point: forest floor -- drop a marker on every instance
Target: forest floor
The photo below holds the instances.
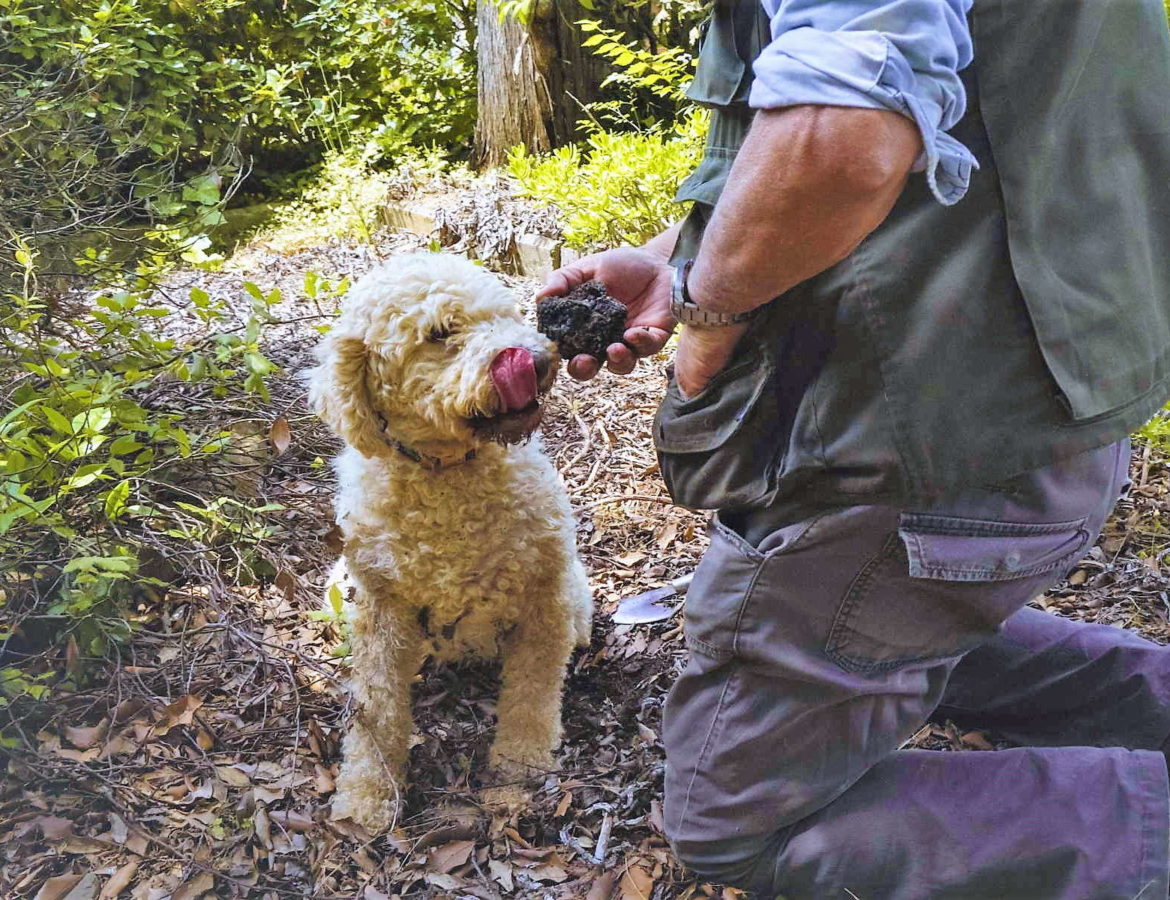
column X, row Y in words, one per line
column 203, row 763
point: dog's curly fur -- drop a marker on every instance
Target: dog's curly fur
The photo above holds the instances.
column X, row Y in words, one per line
column 460, row 556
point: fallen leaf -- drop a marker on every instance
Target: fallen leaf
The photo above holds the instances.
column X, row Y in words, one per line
column 280, row 435
column 120, row 880
column 232, row 776
column 196, row 887
column 563, row 806
column 263, row 827
column 501, row 873
column 83, row 738
column 450, row 856
column 636, row 884
column 602, row 886
column 446, row 882
column 181, row 712
column 54, row 828
column 552, row 873
column 666, row 534
column 56, row 888
column 977, row 740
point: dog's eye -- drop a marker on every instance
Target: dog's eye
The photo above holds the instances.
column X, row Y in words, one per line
column 439, row 334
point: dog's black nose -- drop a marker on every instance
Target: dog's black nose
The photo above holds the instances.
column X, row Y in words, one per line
column 543, row 363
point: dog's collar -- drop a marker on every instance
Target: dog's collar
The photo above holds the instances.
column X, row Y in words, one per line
column 431, row 463
column 428, row 462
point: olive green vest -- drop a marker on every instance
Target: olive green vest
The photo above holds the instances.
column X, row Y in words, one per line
column 957, row 345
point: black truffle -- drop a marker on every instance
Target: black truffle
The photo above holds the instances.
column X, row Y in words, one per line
column 586, row 320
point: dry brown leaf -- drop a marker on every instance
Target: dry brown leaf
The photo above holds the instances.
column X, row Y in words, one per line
column 56, row 888
column 501, row 873
column 665, row 535
column 54, row 828
column 602, row 886
column 292, row 821
column 196, row 887
column 181, row 712
column 232, row 776
column 977, row 740
column 263, row 827
column 563, row 806
column 280, row 435
column 636, row 884
column 119, row 881
column 450, row 856
column 83, row 738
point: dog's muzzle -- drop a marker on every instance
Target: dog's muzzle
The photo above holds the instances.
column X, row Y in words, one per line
column 519, row 376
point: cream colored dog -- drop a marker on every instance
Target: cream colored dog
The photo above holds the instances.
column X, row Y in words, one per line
column 458, row 535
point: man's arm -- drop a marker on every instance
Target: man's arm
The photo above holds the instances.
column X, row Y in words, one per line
column 808, row 185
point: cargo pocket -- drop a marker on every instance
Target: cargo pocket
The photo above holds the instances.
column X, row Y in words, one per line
column 720, row 449
column 715, row 600
column 942, row 585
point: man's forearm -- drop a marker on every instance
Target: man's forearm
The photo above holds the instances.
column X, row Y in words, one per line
column 809, row 183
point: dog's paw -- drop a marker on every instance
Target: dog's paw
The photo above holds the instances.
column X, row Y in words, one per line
column 505, row 799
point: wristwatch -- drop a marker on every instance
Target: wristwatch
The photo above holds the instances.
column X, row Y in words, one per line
column 688, row 312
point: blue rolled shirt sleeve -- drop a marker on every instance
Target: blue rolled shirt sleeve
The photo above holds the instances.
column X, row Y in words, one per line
column 900, row 55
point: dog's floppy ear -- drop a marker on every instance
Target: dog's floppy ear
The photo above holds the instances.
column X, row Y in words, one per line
column 338, row 394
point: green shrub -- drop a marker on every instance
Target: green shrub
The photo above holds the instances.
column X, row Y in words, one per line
column 617, row 187
column 115, row 460
column 146, row 110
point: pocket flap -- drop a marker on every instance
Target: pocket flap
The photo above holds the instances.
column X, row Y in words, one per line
column 947, row 548
column 708, row 420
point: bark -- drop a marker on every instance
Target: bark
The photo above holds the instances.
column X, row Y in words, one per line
column 534, row 80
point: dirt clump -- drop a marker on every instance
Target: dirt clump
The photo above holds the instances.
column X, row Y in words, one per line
column 586, row 320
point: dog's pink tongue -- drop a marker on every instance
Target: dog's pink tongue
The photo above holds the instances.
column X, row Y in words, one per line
column 514, row 376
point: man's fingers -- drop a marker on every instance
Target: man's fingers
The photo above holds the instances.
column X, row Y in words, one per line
column 583, row 367
column 646, row 339
column 564, row 279
column 621, row 359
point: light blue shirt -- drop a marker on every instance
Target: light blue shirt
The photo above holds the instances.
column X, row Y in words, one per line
column 901, row 55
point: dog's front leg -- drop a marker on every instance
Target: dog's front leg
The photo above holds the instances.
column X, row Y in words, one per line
column 535, row 655
column 385, row 659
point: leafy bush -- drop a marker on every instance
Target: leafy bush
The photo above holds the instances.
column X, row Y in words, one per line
column 115, row 465
column 617, row 187
column 145, row 110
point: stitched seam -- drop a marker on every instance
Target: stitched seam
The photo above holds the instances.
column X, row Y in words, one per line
column 747, row 599
column 707, row 741
column 709, row 649
column 919, row 524
column 855, row 594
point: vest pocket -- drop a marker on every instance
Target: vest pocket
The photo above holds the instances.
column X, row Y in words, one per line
column 720, row 449
column 941, row 585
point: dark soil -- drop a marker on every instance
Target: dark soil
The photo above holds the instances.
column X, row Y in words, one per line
column 586, row 320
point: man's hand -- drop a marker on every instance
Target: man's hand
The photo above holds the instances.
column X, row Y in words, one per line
column 703, row 352
column 639, row 278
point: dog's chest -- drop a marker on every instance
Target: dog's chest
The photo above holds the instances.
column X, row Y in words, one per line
column 474, row 549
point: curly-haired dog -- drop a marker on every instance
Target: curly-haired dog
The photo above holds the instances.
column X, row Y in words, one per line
column 458, row 534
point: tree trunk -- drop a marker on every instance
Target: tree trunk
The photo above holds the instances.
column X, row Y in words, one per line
column 515, row 104
column 534, row 80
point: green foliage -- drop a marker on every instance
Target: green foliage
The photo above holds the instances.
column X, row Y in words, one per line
column 617, row 187
column 104, row 458
column 665, row 73
column 136, row 110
